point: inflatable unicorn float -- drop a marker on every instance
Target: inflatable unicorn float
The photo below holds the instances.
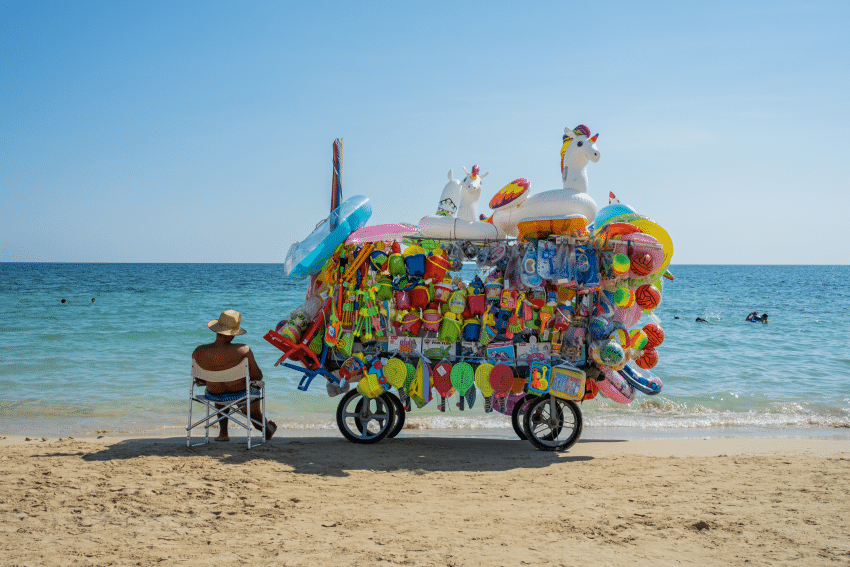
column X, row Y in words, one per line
column 515, row 211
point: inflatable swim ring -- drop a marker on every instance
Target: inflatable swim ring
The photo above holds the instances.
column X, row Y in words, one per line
column 616, row 388
column 559, row 203
column 643, row 379
column 458, row 229
column 307, row 257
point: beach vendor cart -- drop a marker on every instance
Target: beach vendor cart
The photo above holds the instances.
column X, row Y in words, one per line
column 542, row 305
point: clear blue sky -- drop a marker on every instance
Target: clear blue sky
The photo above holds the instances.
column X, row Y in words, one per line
column 202, row 131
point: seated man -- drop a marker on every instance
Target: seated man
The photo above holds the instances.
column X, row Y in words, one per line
column 223, row 354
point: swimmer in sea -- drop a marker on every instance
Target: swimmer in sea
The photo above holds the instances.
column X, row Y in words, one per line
column 764, row 319
column 753, row 317
column 701, row 320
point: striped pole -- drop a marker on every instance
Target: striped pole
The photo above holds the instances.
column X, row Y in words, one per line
column 336, row 184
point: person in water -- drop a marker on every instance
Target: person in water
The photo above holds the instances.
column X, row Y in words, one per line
column 701, row 320
column 764, row 319
column 223, row 354
column 753, row 317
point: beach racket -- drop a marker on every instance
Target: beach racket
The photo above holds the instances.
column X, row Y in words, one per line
column 443, row 382
column 411, row 374
column 396, row 373
column 482, row 380
column 462, row 378
column 502, row 380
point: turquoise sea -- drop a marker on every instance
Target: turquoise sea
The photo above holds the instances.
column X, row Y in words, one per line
column 121, row 364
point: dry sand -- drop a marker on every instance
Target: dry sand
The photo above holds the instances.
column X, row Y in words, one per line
column 421, row 500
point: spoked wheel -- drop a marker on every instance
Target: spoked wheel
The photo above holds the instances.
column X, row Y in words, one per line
column 365, row 420
column 517, row 416
column 552, row 424
column 398, row 423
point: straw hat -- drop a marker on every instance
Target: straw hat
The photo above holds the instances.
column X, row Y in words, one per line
column 227, row 323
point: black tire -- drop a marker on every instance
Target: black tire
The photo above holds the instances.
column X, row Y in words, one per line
column 517, row 416
column 398, row 424
column 363, row 425
column 552, row 431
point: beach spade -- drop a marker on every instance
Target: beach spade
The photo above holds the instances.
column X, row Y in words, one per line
column 443, row 382
column 482, row 380
column 463, row 378
column 502, row 379
column 395, row 372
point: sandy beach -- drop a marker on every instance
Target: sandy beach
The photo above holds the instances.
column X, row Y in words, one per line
column 425, row 500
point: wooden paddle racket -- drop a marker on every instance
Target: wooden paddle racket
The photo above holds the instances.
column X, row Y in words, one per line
column 482, row 380
column 502, row 380
column 462, row 378
column 443, row 382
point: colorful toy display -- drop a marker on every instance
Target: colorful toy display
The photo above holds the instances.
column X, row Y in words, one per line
column 552, row 316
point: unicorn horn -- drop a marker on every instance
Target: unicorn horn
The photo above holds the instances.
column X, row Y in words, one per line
column 593, row 139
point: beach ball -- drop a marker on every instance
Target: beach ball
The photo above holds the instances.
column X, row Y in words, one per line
column 648, row 358
column 641, row 264
column 600, row 327
column 611, row 353
column 654, row 335
column 637, row 339
column 621, row 335
column 647, row 296
column 628, row 316
column 620, row 264
column 624, row 297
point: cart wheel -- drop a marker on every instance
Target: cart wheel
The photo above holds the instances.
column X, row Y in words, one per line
column 364, row 420
column 517, row 416
column 552, row 424
column 398, row 424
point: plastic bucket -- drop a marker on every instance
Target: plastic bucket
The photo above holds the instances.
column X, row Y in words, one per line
column 436, row 267
column 442, row 292
column 415, row 265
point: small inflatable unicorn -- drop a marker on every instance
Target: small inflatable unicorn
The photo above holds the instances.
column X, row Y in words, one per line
column 461, row 197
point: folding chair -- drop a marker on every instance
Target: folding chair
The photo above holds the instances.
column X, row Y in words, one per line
column 254, row 390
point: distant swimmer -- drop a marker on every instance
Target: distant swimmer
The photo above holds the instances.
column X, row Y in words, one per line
column 764, row 319
column 753, row 317
column 92, row 299
column 701, row 320
column 64, row 301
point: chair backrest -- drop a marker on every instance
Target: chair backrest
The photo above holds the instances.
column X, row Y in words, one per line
column 235, row 373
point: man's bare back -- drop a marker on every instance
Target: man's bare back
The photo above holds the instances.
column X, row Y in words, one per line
column 221, row 355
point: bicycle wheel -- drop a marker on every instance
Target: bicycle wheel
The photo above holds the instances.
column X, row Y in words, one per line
column 364, row 420
column 398, row 424
column 552, row 424
column 517, row 416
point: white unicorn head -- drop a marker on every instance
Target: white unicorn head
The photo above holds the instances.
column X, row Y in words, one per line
column 578, row 148
column 470, row 192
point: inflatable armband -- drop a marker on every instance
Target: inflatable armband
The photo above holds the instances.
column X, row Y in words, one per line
column 529, row 275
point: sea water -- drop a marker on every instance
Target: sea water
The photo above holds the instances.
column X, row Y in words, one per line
column 121, row 363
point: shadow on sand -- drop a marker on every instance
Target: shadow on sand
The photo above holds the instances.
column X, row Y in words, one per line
column 332, row 456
